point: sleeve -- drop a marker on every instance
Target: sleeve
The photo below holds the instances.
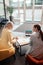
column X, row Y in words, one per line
column 29, row 49
column 10, row 38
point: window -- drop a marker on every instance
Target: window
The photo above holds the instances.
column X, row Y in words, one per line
column 1, row 9
column 13, row 3
column 28, row 15
column 1, row 1
column 28, row 3
column 37, row 15
column 38, row 2
column 21, row 3
column 27, row 10
column 15, row 13
column 21, row 15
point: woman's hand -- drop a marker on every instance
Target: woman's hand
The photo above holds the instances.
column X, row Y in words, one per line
column 14, row 41
column 15, row 38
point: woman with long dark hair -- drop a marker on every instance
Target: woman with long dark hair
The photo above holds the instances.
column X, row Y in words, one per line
column 37, row 42
column 37, row 28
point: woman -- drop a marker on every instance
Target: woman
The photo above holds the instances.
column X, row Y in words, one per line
column 6, row 38
column 37, row 42
column 6, row 42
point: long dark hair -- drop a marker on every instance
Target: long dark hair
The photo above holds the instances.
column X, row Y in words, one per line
column 40, row 31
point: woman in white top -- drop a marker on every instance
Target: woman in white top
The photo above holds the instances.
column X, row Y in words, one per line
column 36, row 42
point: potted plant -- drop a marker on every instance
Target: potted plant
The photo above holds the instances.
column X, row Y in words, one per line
column 10, row 9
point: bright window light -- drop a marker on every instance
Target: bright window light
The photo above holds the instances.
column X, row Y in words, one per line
column 28, row 1
column 21, row 0
column 1, row 0
column 15, row 0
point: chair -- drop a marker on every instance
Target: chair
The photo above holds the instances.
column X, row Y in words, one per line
column 33, row 61
column 3, row 21
column 6, row 53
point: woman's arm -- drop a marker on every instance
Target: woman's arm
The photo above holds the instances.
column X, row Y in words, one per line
column 11, row 39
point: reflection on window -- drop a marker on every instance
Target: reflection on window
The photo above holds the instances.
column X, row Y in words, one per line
column 38, row 2
column 28, row 15
column 28, row 3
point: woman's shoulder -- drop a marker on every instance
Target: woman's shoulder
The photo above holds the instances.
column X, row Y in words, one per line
column 5, row 30
column 35, row 34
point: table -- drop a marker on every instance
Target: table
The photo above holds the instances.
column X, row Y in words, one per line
column 23, row 41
